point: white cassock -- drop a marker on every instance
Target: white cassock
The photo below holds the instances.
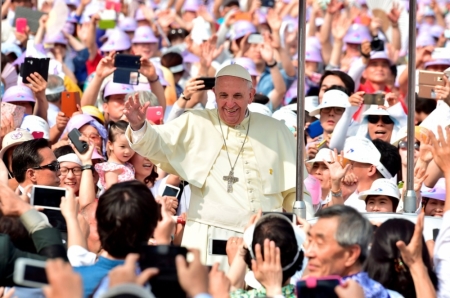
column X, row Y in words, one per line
column 192, row 147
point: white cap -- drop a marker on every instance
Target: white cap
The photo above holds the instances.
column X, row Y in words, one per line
column 381, row 187
column 364, row 151
column 234, row 70
column 259, row 108
column 332, row 98
column 37, row 126
column 323, row 154
column 71, row 157
column 288, row 117
column 376, row 110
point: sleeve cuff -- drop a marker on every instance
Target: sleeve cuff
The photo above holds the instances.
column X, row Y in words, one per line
column 137, row 135
column 34, row 220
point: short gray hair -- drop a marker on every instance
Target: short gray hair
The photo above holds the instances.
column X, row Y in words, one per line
column 353, row 228
column 144, row 96
column 54, row 82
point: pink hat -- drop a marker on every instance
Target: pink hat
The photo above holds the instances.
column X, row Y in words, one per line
column 112, row 88
column 18, row 93
column 436, row 193
column 128, row 24
column 437, row 62
column 188, row 57
column 248, row 64
column 425, row 39
column 117, row 41
column 241, row 28
column 96, row 155
column 313, row 54
column 139, row 16
column 144, row 34
column 381, row 55
column 191, row 5
column 357, row 33
column 55, row 38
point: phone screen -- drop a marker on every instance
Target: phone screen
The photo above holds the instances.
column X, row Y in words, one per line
column 315, row 129
column 48, row 197
column 155, row 114
column 209, row 83
column 35, row 274
column 170, row 191
column 219, row 247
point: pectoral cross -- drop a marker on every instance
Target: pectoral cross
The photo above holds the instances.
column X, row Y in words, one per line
column 231, row 179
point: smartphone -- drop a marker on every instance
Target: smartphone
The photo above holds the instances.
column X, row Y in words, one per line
column 431, row 78
column 315, row 129
column 209, row 82
column 69, row 102
column 127, row 69
column 127, row 61
column 255, row 39
column 31, row 65
column 165, row 284
column 217, row 247
column 427, row 91
column 268, row 3
column 48, row 197
column 155, row 114
column 171, row 191
column 21, row 25
column 374, row 99
column 291, row 216
column 30, row 273
column 74, row 137
column 318, row 287
column 377, row 45
column 243, row 16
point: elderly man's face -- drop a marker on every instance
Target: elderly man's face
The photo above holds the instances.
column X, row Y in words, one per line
column 233, row 95
column 326, row 256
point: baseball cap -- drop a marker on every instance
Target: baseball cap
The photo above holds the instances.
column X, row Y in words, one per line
column 259, row 108
column 425, row 39
column 437, row 62
column 380, row 55
column 323, row 154
column 94, row 112
column 362, row 150
column 112, row 88
column 420, row 133
column 14, row 138
column 117, row 41
column 37, row 126
column 331, row 98
column 144, row 34
column 234, row 70
column 18, row 93
column 357, row 33
column 312, row 54
column 376, row 110
column 382, row 186
column 241, row 28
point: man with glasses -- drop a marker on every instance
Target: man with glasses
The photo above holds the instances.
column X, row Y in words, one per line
column 370, row 160
column 33, row 162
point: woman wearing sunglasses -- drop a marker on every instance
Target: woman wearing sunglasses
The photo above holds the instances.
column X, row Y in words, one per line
column 377, row 123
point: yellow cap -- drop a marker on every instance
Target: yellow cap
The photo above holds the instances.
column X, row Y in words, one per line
column 94, row 112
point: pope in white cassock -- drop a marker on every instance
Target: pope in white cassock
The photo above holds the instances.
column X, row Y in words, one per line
column 235, row 161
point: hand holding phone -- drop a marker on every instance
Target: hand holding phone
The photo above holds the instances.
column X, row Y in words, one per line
column 315, row 129
column 374, row 99
column 209, row 82
column 127, row 69
column 47, row 197
column 69, row 102
column 30, row 273
column 74, row 137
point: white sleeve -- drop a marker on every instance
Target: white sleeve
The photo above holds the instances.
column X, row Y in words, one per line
column 80, row 256
column 136, row 135
column 442, row 257
column 355, row 72
column 175, row 112
column 340, row 131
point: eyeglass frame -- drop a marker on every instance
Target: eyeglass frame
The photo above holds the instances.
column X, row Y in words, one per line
column 70, row 170
column 403, row 145
column 54, row 164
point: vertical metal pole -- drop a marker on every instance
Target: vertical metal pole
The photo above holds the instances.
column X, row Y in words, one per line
column 410, row 198
column 299, row 205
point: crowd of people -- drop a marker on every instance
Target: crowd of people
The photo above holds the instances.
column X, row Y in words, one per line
column 210, row 115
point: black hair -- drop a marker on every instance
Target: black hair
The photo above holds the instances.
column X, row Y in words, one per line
column 172, row 59
column 261, row 98
column 393, row 69
column 116, row 128
column 383, row 262
column 393, row 200
column 152, row 177
column 25, row 156
column 345, row 78
column 281, row 232
column 425, row 105
column 390, row 158
column 127, row 215
column 340, row 88
column 176, row 33
column 63, row 150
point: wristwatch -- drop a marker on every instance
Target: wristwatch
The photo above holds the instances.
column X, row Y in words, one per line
column 87, row 167
column 184, row 97
column 336, row 194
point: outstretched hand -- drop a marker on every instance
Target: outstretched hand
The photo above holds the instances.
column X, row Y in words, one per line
column 135, row 112
column 412, row 253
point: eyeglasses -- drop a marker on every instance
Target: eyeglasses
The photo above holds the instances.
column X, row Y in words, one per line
column 76, row 171
column 93, row 136
column 403, row 145
column 54, row 166
column 337, row 111
column 375, row 118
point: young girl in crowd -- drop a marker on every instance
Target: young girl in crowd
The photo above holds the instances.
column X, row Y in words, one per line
column 117, row 168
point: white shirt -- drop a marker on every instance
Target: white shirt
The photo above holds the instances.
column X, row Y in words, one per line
column 442, row 257
column 52, row 112
column 355, row 202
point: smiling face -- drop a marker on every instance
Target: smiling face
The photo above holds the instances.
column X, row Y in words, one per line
column 379, row 204
column 68, row 178
column 377, row 71
column 233, row 95
column 254, row 53
column 142, row 165
column 435, row 208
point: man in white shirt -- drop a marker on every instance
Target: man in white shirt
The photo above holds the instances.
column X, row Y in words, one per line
column 370, row 160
